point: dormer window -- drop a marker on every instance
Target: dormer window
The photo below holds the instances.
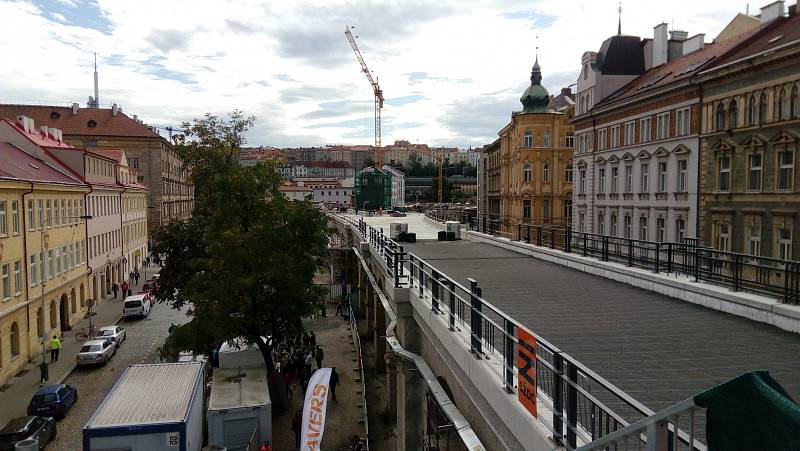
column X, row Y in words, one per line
column 91, row 123
column 55, row 115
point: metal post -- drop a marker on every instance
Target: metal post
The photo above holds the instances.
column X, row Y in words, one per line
column 737, row 272
column 452, row 286
column 630, row 252
column 509, row 355
column 519, row 232
column 585, row 239
column 528, row 238
column 572, row 404
column 669, row 257
column 568, row 240
column 475, row 321
column 538, row 235
column 558, row 396
column 435, row 291
column 658, row 257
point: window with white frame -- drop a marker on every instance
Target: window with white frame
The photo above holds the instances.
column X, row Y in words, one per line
column 644, row 129
column 754, row 166
column 754, row 238
column 643, row 228
column 568, row 208
column 644, row 178
column 546, row 208
column 783, row 237
column 614, row 179
column 528, row 139
column 682, row 175
column 18, row 277
column 661, row 232
column 662, row 176
column 615, row 136
column 628, row 178
column 3, row 218
column 582, row 181
column 546, row 173
column 547, row 137
column 614, row 224
column 630, row 133
column 569, row 140
column 527, row 173
column 628, row 225
column 602, row 139
column 14, row 216
column 601, row 180
column 568, row 173
column 785, row 179
column 723, row 237
column 662, row 126
column 684, row 121
column 6, row 282
column 33, row 270
column 601, row 222
column 51, row 267
column 526, row 208
column 724, row 173
column 40, row 212
column 581, row 222
column 680, row 229
column 58, row 260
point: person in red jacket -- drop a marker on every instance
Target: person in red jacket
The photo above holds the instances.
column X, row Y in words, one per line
column 266, row 447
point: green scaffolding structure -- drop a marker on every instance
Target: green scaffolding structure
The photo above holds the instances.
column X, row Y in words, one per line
column 373, row 189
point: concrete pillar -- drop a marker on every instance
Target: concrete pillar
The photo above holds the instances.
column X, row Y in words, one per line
column 392, row 368
column 380, row 337
column 410, row 408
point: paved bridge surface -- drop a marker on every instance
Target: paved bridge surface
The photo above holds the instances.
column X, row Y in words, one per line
column 657, row 349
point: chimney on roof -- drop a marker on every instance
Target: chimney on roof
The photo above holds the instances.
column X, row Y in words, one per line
column 26, row 123
column 44, row 131
column 694, row 43
column 660, row 44
column 771, row 12
column 75, row 108
column 136, row 118
column 114, row 109
column 678, row 35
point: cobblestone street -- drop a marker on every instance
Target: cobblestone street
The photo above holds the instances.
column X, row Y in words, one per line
column 93, row 383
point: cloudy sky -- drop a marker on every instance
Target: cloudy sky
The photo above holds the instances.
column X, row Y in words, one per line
column 452, row 71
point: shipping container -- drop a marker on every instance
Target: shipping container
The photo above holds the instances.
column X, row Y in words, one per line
column 151, row 408
column 239, row 408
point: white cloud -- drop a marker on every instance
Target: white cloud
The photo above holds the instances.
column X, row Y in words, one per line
column 168, row 62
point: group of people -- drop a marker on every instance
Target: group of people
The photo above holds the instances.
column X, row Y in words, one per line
column 127, row 290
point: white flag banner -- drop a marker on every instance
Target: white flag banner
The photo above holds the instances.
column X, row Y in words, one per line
column 314, row 408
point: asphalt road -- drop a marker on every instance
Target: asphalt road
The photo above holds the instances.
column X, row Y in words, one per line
column 93, row 383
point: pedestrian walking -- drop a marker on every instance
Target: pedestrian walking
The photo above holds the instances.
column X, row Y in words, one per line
column 319, row 355
column 55, row 347
column 333, row 383
column 309, row 359
column 296, row 424
column 130, row 276
column 115, row 289
column 136, row 276
column 312, row 340
column 339, row 306
column 124, row 289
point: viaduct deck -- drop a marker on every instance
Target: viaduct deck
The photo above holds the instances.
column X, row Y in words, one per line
column 658, row 349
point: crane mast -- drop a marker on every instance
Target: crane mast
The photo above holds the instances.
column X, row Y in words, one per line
column 376, row 89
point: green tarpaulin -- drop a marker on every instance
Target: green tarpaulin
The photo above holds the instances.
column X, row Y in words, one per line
column 750, row 413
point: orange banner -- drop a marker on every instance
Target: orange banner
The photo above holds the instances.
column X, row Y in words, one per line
column 526, row 364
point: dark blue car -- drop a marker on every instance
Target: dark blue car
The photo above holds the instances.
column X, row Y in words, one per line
column 53, row 400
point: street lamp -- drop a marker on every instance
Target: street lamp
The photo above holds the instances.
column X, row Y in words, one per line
column 42, row 243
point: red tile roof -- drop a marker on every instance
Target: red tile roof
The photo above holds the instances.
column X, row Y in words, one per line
column 37, row 136
column 780, row 32
column 16, row 164
column 105, row 123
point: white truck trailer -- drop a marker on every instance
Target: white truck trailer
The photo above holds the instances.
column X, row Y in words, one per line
column 151, row 408
column 239, row 408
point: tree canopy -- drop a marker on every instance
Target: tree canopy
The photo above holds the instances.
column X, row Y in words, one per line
column 244, row 263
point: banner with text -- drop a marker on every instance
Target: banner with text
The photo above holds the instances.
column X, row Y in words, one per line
column 314, row 408
column 526, row 364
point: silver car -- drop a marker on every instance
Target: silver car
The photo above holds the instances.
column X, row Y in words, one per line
column 115, row 333
column 96, row 351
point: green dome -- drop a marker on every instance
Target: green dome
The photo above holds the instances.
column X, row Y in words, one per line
column 536, row 98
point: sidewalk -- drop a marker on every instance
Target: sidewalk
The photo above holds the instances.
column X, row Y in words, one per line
column 19, row 390
column 343, row 416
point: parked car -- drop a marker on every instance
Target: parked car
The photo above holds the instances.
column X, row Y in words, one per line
column 115, row 333
column 43, row 429
column 96, row 351
column 53, row 400
column 150, row 285
column 136, row 306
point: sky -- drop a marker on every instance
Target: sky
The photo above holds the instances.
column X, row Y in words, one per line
column 452, row 72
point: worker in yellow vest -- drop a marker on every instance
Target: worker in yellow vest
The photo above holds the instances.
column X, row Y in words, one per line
column 55, row 346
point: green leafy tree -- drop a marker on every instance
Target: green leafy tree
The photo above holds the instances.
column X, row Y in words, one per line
column 243, row 265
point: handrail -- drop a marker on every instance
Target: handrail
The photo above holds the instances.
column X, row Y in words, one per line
column 357, row 343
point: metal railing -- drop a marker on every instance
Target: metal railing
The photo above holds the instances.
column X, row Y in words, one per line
column 584, row 405
column 360, row 361
column 739, row 272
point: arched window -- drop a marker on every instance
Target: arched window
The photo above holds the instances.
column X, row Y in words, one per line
column 762, row 109
column 783, row 105
column 751, row 111
column 39, row 322
column 720, row 122
column 53, row 315
column 14, row 339
column 733, row 113
column 527, row 173
column 794, row 108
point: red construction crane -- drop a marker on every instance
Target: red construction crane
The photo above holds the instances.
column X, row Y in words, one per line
column 376, row 88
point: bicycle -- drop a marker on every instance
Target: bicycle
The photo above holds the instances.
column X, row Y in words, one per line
column 85, row 332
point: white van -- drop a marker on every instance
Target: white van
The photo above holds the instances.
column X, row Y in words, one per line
column 137, row 305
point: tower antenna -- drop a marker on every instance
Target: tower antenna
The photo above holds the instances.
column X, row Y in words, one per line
column 619, row 20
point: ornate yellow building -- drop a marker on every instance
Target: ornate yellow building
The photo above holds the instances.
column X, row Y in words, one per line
column 536, row 159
